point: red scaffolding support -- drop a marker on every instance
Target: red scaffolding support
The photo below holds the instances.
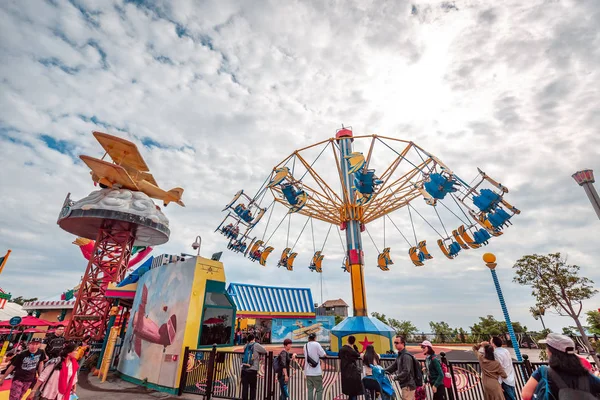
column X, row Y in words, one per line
column 108, row 263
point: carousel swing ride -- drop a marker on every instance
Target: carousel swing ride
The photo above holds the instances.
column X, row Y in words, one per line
column 393, row 175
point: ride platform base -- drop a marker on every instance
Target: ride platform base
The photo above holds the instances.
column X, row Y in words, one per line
column 367, row 331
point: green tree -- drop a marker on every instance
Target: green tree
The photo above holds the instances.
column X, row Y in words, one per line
column 487, row 326
column 20, row 300
column 462, row 335
column 339, row 319
column 556, row 285
column 380, row 317
column 442, row 331
column 403, row 328
column 593, row 321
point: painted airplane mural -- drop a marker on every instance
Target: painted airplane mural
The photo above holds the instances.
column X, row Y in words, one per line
column 146, row 329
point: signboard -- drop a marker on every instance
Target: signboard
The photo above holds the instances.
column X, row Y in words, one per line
column 14, row 321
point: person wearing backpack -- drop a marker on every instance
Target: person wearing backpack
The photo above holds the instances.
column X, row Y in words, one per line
column 433, row 371
column 281, row 366
column 564, row 378
column 250, row 365
column 312, row 367
column 407, row 370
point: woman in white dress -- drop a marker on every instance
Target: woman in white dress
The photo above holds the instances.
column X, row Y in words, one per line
column 59, row 378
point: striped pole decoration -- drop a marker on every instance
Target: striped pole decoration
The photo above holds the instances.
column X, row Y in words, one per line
column 511, row 331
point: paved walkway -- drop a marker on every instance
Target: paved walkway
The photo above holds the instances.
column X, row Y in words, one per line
column 91, row 388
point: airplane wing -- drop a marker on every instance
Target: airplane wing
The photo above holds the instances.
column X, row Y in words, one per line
column 139, row 175
column 122, row 151
column 111, row 172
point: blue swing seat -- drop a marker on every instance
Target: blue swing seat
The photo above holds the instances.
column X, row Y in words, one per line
column 481, row 236
column 487, row 200
column 438, row 186
column 365, row 182
column 498, row 218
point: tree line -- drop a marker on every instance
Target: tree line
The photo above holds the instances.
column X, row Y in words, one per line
column 556, row 287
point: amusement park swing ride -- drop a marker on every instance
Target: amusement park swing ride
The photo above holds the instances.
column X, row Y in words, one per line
column 390, row 175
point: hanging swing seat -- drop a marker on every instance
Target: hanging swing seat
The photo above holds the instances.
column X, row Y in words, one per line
column 451, row 251
column 235, row 198
column 284, row 257
column 384, row 260
column 365, row 182
column 280, row 175
column 486, row 200
column 346, row 265
column 317, row 260
column 295, row 197
column 494, row 183
column 481, row 237
column 290, row 261
column 356, row 161
column 467, row 238
column 422, row 246
column 459, row 240
column 263, row 256
column 438, row 185
column 416, row 256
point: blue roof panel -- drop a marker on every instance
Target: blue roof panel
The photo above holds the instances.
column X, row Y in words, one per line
column 253, row 298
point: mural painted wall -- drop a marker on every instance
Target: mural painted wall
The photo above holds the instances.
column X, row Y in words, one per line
column 299, row 329
column 156, row 329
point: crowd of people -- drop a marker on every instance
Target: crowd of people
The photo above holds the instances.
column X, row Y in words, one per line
column 49, row 367
column 566, row 373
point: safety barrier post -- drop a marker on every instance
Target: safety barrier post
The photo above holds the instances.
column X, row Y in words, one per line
column 451, row 390
column 269, row 381
column 528, row 366
column 211, row 372
column 183, row 378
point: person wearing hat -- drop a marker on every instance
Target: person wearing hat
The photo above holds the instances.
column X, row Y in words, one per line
column 26, row 365
column 312, row 367
column 564, row 371
column 434, row 373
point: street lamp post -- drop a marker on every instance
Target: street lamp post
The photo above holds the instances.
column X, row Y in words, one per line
column 490, row 262
column 585, row 179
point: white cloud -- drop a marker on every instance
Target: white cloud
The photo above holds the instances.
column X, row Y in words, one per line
column 229, row 90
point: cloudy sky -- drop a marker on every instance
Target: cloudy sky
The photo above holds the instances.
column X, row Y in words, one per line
column 217, row 93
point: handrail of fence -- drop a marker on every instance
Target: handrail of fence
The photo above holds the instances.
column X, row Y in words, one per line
column 213, row 373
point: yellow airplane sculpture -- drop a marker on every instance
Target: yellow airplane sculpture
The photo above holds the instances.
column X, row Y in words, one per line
column 127, row 171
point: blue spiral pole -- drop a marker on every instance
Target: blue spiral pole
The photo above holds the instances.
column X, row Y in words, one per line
column 511, row 331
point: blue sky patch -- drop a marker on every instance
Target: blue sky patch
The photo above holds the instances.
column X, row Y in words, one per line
column 62, row 146
column 55, row 62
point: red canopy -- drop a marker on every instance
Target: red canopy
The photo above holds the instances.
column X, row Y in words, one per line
column 33, row 330
column 28, row 321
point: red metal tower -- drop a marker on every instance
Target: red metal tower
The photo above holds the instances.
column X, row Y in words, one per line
column 116, row 230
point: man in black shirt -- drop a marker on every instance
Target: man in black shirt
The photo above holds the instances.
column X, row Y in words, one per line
column 55, row 342
column 25, row 364
column 283, row 375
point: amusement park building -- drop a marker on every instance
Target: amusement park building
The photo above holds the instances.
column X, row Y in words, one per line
column 337, row 308
column 52, row 309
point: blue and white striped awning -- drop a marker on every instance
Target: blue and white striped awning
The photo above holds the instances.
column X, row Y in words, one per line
column 256, row 301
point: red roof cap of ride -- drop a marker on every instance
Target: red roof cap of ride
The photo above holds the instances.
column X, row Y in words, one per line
column 344, row 132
